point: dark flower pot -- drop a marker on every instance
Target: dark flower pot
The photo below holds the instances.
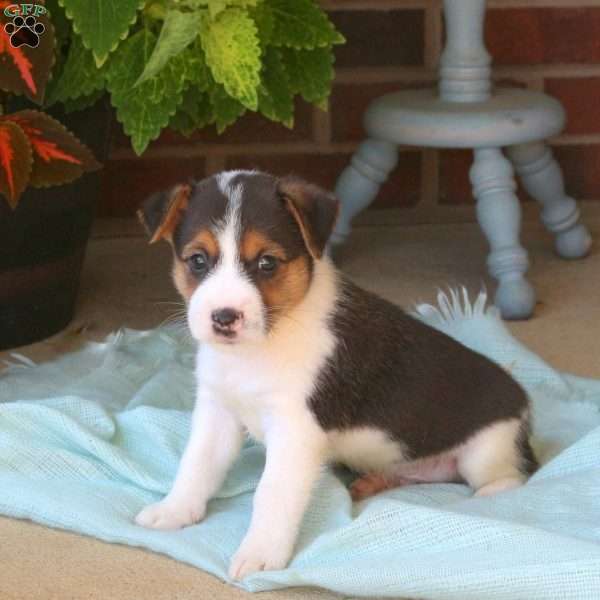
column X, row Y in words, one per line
column 43, row 242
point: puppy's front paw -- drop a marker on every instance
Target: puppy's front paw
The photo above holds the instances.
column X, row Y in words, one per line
column 170, row 514
column 259, row 553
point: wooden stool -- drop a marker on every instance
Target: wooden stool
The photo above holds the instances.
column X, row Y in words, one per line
column 465, row 113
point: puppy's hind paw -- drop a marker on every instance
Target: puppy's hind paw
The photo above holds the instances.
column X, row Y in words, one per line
column 169, row 514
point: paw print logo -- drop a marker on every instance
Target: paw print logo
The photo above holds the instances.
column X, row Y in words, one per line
column 24, row 31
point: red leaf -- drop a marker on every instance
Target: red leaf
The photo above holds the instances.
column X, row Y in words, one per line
column 20, row 61
column 48, row 150
column 58, row 156
column 15, row 161
column 25, row 70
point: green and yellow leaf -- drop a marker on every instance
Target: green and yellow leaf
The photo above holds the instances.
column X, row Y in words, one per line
column 232, row 50
column 179, row 30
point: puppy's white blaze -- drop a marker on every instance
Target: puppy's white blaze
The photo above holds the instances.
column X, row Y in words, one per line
column 227, row 286
column 224, row 178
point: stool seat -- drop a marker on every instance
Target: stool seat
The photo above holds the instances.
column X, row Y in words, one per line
column 421, row 118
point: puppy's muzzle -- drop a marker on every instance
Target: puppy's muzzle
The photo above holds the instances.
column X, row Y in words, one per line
column 226, row 321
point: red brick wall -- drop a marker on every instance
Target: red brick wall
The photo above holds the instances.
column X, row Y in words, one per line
column 551, row 45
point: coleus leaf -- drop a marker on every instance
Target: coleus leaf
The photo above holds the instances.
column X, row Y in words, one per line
column 232, row 50
column 25, row 70
column 102, row 24
column 301, row 24
column 196, row 72
column 79, row 76
column 216, row 6
column 275, row 96
column 62, row 25
column 178, row 31
column 82, row 102
column 58, row 156
column 15, row 161
column 225, row 108
column 310, row 73
column 265, row 22
column 195, row 112
column 146, row 108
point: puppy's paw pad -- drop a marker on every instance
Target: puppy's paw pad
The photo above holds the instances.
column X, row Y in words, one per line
column 169, row 515
column 251, row 558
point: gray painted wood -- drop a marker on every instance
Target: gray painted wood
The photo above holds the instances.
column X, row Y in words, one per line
column 466, row 113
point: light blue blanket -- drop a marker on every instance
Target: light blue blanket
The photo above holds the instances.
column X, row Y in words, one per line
column 89, row 439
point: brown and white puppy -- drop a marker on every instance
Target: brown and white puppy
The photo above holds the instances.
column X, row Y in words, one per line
column 316, row 368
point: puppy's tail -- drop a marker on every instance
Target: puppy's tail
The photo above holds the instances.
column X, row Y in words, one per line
column 529, row 463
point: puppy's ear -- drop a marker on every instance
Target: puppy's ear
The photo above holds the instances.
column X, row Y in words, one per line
column 161, row 212
column 314, row 209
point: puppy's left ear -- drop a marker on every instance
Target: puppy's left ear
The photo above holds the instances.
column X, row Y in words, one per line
column 314, row 209
column 161, row 212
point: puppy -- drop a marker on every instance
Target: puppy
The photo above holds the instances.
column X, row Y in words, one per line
column 314, row 367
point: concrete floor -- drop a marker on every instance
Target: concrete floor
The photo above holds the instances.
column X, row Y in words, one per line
column 126, row 283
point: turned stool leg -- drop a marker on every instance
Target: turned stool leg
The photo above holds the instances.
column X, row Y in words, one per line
column 542, row 178
column 359, row 183
column 499, row 215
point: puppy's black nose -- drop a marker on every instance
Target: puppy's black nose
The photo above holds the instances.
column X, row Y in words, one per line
column 225, row 316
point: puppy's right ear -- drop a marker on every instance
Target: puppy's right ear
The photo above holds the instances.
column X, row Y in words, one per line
column 162, row 211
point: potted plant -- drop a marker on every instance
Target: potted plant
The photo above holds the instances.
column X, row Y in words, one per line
column 42, row 231
column 186, row 64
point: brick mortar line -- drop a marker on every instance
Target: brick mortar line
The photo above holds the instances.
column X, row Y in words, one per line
column 572, row 139
column 204, row 150
column 562, row 70
column 214, row 163
column 374, row 5
column 386, row 5
column 216, row 155
column 543, row 3
column 360, row 75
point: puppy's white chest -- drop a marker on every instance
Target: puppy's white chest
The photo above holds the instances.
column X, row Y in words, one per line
column 250, row 389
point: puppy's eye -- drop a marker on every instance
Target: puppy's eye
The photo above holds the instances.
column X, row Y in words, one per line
column 198, row 263
column 267, row 263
